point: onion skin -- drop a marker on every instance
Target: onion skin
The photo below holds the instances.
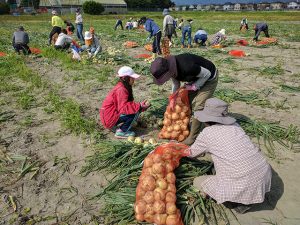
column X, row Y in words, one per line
column 140, row 207
column 167, row 122
column 171, row 197
column 160, row 219
column 148, row 162
column 150, row 209
column 159, row 207
column 175, row 116
column 148, row 183
column 162, row 183
column 172, row 220
column 158, row 168
column 171, row 208
column 170, row 129
column 148, row 217
column 157, row 158
column 178, row 109
column 149, row 197
column 159, row 194
column 169, row 167
column 176, row 127
column 181, row 137
column 182, row 115
column 171, row 188
column 186, row 121
column 171, row 178
column 185, row 133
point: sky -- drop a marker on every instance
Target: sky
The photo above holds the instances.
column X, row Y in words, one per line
column 187, row 2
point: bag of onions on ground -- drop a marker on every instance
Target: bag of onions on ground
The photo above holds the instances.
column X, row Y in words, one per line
column 177, row 117
column 156, row 191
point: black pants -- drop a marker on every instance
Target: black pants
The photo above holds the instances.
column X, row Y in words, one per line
column 156, row 43
column 55, row 30
column 22, row 47
column 119, row 23
column 62, row 47
column 127, row 121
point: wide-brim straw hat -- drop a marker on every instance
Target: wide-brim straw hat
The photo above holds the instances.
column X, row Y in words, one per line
column 215, row 110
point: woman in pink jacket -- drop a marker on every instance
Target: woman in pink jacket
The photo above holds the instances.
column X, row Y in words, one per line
column 119, row 107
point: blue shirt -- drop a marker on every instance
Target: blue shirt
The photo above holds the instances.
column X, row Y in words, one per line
column 151, row 27
column 200, row 32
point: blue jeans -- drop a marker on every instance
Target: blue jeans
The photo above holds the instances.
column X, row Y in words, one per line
column 127, row 121
column 186, row 31
column 202, row 38
column 79, row 29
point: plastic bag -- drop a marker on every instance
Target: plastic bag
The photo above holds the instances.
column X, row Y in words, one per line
column 156, row 190
column 237, row 53
column 177, row 117
column 35, row 50
column 165, row 47
column 130, row 44
column 242, row 42
column 75, row 51
column 148, row 47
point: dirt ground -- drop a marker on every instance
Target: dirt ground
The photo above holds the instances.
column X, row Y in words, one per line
column 58, row 194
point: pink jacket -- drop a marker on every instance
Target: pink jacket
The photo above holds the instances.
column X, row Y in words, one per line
column 115, row 104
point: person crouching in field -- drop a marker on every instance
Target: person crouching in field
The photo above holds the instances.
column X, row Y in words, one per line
column 63, row 41
column 201, row 36
column 20, row 41
column 92, row 43
column 243, row 175
column 244, row 24
column 57, row 24
column 218, row 37
column 259, row 27
column 155, row 32
column 119, row 107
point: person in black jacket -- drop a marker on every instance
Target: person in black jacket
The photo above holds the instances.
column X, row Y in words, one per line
column 259, row 27
column 200, row 75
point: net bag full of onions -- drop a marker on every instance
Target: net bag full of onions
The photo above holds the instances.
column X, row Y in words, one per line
column 156, row 190
column 177, row 117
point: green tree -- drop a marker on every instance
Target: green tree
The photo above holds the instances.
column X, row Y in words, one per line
column 30, row 3
column 4, row 8
column 93, row 8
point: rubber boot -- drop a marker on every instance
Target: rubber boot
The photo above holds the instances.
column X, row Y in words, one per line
column 196, row 127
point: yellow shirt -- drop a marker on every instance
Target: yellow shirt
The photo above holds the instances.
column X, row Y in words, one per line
column 57, row 21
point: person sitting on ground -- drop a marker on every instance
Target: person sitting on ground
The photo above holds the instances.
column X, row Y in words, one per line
column 135, row 24
column 259, row 27
column 119, row 107
column 201, row 36
column 119, row 23
column 218, row 37
column 186, row 29
column 20, row 41
column 70, row 27
column 129, row 25
column 57, row 24
column 155, row 32
column 63, row 41
column 244, row 24
column 92, row 44
column 168, row 25
column 243, row 175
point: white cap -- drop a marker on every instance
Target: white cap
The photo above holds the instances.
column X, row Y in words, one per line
column 54, row 12
column 127, row 71
column 222, row 31
column 87, row 35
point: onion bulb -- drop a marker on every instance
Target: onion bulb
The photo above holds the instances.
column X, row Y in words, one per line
column 185, row 133
column 148, row 217
column 172, row 219
column 181, row 137
column 157, row 158
column 167, row 156
column 174, row 135
column 186, row 120
column 169, row 167
column 176, row 127
column 167, row 122
column 149, row 197
column 171, row 208
column 140, row 192
column 167, row 135
column 171, row 178
column 160, row 219
column 183, row 127
column 140, row 207
column 175, row 116
column 162, row 184
column 148, row 183
column 170, row 129
column 185, row 109
column 159, row 194
column 182, row 115
column 178, row 109
column 148, row 162
column 150, row 209
column 139, row 217
column 171, row 197
column 171, row 188
column 158, row 206
column 158, row 168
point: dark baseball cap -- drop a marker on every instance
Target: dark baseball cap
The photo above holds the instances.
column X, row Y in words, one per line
column 163, row 69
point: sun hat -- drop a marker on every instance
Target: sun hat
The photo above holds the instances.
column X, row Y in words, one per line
column 215, row 110
column 163, row 69
column 125, row 71
column 54, row 12
column 87, row 35
column 222, row 31
column 165, row 12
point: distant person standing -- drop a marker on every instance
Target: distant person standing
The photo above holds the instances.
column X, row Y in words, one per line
column 20, row 41
column 259, row 27
column 168, row 25
column 57, row 24
column 119, row 23
column 244, row 24
column 201, row 36
column 79, row 25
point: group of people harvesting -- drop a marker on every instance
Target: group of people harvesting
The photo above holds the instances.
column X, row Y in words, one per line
column 243, row 175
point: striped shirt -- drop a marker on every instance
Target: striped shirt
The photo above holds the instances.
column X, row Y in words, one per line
column 242, row 173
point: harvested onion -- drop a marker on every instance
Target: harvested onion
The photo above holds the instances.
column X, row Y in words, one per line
column 176, row 127
column 148, row 162
column 139, row 217
column 158, row 168
column 148, row 183
column 172, row 219
column 171, row 208
column 159, row 194
column 160, row 219
column 140, row 207
column 159, row 207
column 175, row 116
column 171, row 197
column 149, row 197
column 162, row 184
column 171, row 178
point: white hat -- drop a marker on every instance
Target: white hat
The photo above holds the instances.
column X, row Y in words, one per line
column 127, row 71
column 222, row 31
column 54, row 12
column 87, row 35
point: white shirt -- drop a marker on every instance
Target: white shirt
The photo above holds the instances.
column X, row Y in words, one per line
column 78, row 18
column 63, row 39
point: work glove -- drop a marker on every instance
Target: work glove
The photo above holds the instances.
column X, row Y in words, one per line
column 191, row 87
